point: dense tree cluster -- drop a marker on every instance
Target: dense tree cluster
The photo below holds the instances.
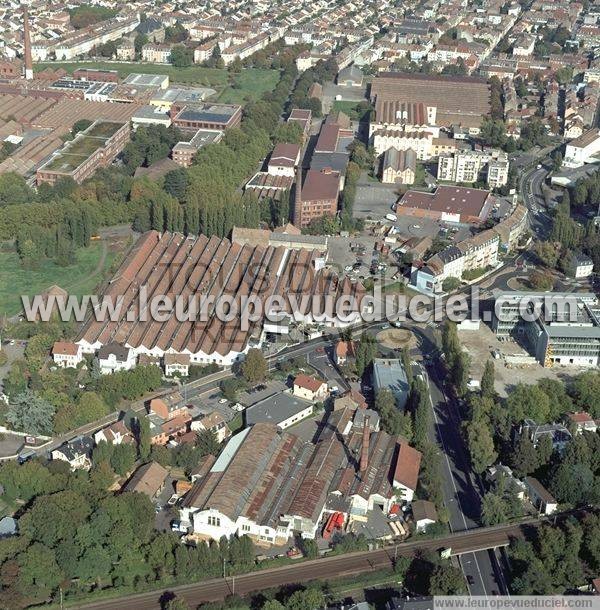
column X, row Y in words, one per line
column 75, row 534
column 559, row 558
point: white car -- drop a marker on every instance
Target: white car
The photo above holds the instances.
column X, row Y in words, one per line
column 172, row 500
column 222, row 401
column 416, row 226
column 348, row 268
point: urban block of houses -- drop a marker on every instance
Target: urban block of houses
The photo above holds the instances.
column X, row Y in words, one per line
column 473, row 166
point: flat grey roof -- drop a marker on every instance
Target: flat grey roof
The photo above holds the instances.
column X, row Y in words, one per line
column 388, row 373
column 275, row 409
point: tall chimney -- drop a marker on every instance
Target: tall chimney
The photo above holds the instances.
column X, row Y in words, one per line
column 364, row 453
column 297, row 198
column 27, row 45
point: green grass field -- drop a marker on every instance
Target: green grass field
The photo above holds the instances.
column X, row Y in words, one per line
column 80, row 278
column 249, row 85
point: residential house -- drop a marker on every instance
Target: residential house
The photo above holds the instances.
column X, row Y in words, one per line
column 76, row 453
column 540, row 497
column 168, row 406
column 66, row 354
column 115, row 434
column 115, row 357
column 424, row 514
column 309, row 388
column 582, row 421
column 148, row 479
column 582, row 266
column 215, row 423
column 559, row 435
column 177, row 365
column 344, row 352
column 406, row 473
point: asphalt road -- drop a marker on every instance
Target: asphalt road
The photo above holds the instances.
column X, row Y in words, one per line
column 461, row 490
column 329, row 567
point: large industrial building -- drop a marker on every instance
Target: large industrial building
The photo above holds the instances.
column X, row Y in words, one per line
column 443, row 96
column 447, row 203
column 203, row 268
column 566, row 331
column 95, row 147
column 270, row 484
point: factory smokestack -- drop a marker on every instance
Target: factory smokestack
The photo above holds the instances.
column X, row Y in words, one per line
column 364, row 452
column 27, row 45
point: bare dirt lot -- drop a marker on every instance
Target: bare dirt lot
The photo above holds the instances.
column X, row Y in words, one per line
column 480, row 344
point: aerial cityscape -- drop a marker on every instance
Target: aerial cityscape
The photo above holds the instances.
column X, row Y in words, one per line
column 300, row 304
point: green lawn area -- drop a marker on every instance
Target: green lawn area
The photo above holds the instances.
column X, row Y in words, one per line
column 249, row 85
column 80, row 278
column 347, row 107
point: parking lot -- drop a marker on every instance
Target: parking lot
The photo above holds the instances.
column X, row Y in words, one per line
column 374, row 200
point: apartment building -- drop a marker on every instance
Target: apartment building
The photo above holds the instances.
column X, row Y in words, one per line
column 566, row 331
column 318, row 196
column 474, row 166
column 83, row 41
column 156, row 53
column 582, row 150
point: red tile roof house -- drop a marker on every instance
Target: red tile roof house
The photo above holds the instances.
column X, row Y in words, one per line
column 406, row 474
column 583, row 422
column 344, row 350
column 318, row 197
column 67, row 354
column 309, row 388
